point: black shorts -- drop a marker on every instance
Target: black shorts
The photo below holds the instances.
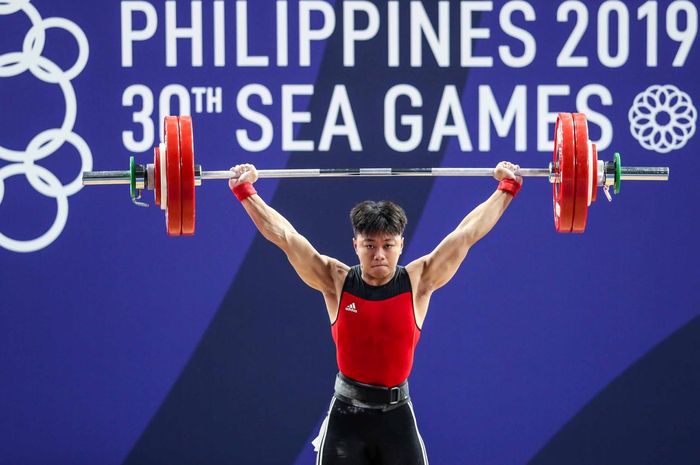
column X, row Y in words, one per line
column 360, row 436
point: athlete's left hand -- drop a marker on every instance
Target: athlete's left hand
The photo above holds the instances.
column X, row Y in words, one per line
column 506, row 169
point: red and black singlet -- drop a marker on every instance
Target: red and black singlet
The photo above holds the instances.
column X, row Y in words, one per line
column 375, row 332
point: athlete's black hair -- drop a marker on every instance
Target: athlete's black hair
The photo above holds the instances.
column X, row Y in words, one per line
column 371, row 217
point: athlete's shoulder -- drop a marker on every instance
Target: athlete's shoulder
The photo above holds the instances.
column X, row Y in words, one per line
column 340, row 270
column 339, row 273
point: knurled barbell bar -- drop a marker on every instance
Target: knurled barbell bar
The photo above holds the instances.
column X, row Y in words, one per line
column 575, row 174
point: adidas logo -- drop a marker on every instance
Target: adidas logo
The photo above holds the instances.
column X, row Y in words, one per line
column 351, row 308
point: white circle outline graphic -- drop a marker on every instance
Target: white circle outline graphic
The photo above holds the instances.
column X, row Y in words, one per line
column 46, row 142
column 59, row 223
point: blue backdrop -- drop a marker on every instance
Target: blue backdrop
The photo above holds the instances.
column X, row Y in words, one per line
column 119, row 345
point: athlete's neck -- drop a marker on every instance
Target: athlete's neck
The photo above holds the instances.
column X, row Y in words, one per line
column 373, row 281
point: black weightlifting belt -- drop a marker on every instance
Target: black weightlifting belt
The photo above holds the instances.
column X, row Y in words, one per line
column 369, row 395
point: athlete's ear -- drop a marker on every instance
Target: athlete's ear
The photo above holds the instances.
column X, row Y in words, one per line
column 354, row 244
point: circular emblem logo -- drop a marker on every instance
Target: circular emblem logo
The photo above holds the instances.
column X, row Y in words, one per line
column 662, row 118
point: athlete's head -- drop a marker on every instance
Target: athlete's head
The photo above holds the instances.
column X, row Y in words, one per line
column 378, row 237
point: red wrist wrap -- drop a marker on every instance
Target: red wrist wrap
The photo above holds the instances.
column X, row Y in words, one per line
column 510, row 186
column 243, row 191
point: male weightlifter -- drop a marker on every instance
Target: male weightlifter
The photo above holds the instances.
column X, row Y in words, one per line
column 376, row 310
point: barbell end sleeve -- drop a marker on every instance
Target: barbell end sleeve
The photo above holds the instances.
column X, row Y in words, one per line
column 645, row 173
column 100, row 178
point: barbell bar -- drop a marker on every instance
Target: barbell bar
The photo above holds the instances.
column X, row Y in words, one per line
column 575, row 174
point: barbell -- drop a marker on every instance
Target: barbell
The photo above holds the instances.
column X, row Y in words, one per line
column 575, row 174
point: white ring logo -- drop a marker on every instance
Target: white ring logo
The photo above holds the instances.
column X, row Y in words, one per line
column 49, row 141
column 662, row 118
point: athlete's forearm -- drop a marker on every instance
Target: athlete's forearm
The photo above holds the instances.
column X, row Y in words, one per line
column 484, row 217
column 271, row 224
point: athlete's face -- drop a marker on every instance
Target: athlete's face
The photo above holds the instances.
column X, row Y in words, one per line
column 379, row 254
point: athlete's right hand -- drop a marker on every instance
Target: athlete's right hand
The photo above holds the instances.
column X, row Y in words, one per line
column 244, row 173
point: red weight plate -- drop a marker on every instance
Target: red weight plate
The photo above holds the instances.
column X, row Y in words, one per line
column 594, row 181
column 156, row 175
column 187, row 175
column 583, row 180
column 565, row 159
column 173, row 212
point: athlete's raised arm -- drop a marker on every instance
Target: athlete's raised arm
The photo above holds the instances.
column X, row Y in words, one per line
column 323, row 273
column 434, row 270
